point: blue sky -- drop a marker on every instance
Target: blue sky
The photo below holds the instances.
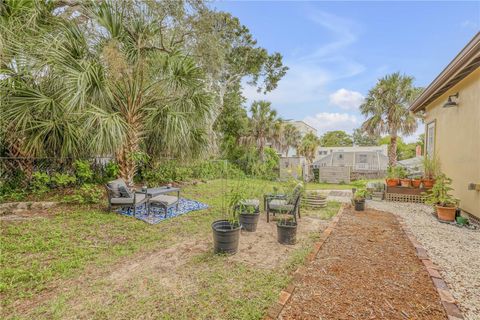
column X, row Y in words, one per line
column 336, row 51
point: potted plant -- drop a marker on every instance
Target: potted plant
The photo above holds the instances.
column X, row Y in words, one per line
column 226, row 232
column 439, row 196
column 392, row 179
column 416, row 181
column 431, row 168
column 286, row 230
column 401, row 174
column 248, row 216
column 359, row 199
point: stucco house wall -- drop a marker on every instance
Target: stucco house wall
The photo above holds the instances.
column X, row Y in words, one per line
column 457, row 139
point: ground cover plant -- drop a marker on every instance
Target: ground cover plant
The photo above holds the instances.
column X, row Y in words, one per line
column 62, row 263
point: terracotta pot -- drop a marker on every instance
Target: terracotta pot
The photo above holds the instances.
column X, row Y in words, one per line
column 446, row 213
column 428, row 183
column 405, row 182
column 416, row 183
column 392, row 182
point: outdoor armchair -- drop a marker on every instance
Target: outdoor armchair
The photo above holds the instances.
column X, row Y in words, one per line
column 284, row 203
column 120, row 196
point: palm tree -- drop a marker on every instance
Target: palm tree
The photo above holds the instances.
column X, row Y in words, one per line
column 277, row 135
column 291, row 138
column 113, row 88
column 263, row 121
column 386, row 108
column 308, row 147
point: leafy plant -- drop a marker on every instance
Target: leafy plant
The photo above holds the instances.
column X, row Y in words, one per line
column 440, row 193
column 361, row 194
column 359, row 184
column 112, row 170
column 62, row 180
column 83, row 171
column 40, row 182
column 87, row 194
column 396, row 172
column 235, row 198
column 431, row 167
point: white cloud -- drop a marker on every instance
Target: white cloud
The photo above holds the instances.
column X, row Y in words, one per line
column 343, row 30
column 303, row 83
column 326, row 121
column 308, row 75
column 346, row 99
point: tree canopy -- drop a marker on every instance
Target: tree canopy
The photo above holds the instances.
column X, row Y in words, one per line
column 337, row 138
column 386, row 109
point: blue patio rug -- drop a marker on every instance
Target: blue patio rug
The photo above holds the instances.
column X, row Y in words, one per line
column 158, row 214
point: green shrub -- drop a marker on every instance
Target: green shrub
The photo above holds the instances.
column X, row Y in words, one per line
column 112, row 170
column 83, row 171
column 62, row 180
column 40, row 182
column 183, row 174
column 87, row 194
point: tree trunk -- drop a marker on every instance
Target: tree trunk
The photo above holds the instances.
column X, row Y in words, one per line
column 392, row 151
column 125, row 156
column 23, row 160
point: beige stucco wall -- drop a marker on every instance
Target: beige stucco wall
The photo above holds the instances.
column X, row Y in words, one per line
column 457, row 139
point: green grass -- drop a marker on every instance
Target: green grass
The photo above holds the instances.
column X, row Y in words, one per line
column 40, row 254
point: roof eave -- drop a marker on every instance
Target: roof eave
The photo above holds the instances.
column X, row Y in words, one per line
column 469, row 54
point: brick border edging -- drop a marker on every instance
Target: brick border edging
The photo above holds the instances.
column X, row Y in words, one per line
column 448, row 301
column 274, row 311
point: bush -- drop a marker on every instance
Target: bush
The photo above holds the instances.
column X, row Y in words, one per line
column 62, row 180
column 83, row 171
column 112, row 170
column 40, row 182
column 87, row 194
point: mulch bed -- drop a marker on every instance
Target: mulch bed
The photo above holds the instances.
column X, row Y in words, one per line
column 367, row 269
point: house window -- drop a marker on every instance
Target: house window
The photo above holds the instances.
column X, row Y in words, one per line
column 430, row 139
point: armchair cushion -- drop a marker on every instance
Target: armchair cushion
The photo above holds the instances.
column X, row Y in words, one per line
column 139, row 198
column 114, row 186
column 124, row 192
column 278, row 204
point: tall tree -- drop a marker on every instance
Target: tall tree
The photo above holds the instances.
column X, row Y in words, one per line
column 308, row 146
column 291, row 138
column 110, row 85
column 263, row 122
column 386, row 109
column 362, row 138
column 337, row 138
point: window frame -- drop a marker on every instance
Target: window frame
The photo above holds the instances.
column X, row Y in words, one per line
column 430, row 147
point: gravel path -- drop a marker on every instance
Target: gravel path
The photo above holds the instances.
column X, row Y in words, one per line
column 456, row 250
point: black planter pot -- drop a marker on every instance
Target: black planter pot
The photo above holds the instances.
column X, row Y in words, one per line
column 225, row 236
column 287, row 232
column 359, row 205
column 249, row 221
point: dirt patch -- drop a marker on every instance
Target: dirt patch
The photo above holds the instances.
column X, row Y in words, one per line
column 261, row 249
column 367, row 269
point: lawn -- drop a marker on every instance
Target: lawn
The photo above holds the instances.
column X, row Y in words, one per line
column 84, row 262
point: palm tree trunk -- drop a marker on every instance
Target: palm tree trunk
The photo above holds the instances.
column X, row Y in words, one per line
column 125, row 156
column 392, row 151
